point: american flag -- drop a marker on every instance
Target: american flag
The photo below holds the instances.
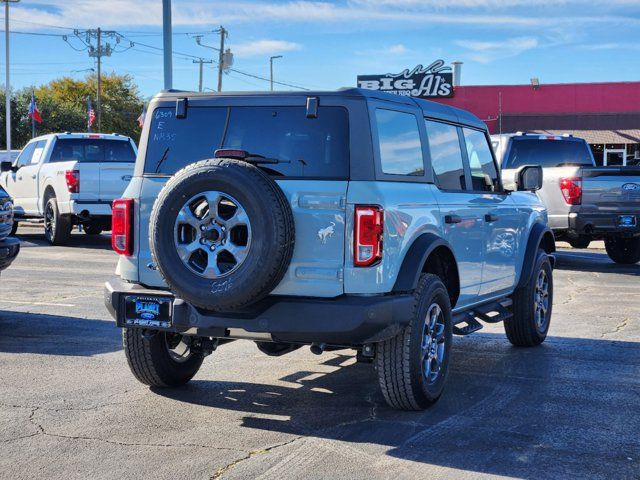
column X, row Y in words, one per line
column 91, row 114
column 142, row 117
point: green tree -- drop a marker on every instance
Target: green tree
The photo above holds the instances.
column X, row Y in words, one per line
column 63, row 105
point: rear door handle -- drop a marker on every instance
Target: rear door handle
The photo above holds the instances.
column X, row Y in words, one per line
column 452, row 219
column 33, row 176
column 490, row 217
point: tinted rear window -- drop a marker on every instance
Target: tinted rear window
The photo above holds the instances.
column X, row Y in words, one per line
column 304, row 147
column 92, row 150
column 547, row 153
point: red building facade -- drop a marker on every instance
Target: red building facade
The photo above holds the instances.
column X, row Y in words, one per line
column 607, row 115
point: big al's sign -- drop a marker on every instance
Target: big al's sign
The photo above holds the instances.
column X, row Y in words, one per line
column 436, row 80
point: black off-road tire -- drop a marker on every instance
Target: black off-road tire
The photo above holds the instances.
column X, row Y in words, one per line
column 522, row 329
column 14, row 228
column 57, row 230
column 625, row 251
column 151, row 363
column 580, row 242
column 272, row 240
column 398, row 360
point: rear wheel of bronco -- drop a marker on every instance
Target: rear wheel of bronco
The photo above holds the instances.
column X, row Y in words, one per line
column 57, row 227
column 625, row 251
column 160, row 359
column 222, row 234
column 581, row 241
column 412, row 366
column 532, row 305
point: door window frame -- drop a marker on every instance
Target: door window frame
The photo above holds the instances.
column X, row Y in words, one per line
column 427, row 176
column 463, row 156
column 465, row 159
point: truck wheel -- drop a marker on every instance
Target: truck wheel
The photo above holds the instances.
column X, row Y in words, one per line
column 57, row 228
column 160, row 359
column 14, row 228
column 222, row 234
column 625, row 251
column 532, row 305
column 579, row 242
column 412, row 366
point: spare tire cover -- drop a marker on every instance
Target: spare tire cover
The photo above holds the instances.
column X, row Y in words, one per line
column 221, row 234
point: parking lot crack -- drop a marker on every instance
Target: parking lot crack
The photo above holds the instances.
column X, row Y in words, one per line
column 223, row 470
column 618, row 328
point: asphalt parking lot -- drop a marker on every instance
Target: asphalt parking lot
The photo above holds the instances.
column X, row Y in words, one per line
column 69, row 407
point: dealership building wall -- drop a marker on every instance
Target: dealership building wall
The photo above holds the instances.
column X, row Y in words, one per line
column 607, row 115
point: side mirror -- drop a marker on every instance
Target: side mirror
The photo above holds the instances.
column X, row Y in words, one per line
column 6, row 166
column 530, row 178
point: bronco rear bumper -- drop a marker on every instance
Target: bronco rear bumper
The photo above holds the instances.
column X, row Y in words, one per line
column 345, row 320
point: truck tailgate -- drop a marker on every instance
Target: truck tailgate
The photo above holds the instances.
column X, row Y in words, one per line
column 611, row 190
column 114, row 178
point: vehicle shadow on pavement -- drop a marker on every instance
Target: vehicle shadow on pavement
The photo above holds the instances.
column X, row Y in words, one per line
column 568, row 407
column 590, row 261
column 56, row 335
column 35, row 238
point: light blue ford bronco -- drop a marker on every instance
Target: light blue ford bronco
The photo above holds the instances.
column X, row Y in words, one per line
column 350, row 219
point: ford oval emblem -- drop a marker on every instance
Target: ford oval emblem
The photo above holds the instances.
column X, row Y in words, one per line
column 147, row 316
column 631, row 186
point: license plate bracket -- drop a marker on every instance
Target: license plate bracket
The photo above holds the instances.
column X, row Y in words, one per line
column 148, row 311
column 627, row 221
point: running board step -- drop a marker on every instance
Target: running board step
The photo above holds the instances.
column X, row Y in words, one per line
column 493, row 312
column 472, row 325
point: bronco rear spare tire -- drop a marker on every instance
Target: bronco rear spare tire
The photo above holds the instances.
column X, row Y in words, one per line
column 221, row 234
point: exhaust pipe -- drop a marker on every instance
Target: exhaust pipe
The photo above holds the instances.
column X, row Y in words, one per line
column 318, row 348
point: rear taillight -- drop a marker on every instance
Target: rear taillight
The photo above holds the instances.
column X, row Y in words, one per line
column 122, row 226
column 73, row 180
column 571, row 189
column 367, row 244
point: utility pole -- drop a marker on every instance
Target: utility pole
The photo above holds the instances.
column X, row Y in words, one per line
column 7, row 85
column 271, row 59
column 167, row 44
column 201, row 61
column 98, row 99
column 223, row 34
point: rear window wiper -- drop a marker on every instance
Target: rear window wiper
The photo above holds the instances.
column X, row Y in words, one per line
column 162, row 159
column 254, row 158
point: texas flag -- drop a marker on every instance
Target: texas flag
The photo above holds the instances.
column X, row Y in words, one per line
column 34, row 113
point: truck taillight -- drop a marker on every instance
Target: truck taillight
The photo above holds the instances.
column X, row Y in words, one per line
column 571, row 189
column 367, row 238
column 122, row 226
column 73, row 180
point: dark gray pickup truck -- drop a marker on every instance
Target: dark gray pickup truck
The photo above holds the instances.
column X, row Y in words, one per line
column 584, row 202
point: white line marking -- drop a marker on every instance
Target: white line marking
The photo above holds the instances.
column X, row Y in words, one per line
column 44, row 304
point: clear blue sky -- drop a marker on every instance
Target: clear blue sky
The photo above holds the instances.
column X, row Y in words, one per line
column 327, row 44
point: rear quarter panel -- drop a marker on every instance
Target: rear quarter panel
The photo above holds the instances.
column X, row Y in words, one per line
column 404, row 221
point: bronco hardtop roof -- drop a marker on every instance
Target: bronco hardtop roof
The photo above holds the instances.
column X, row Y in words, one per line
column 429, row 108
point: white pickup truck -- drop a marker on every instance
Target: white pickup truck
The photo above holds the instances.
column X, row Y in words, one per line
column 69, row 179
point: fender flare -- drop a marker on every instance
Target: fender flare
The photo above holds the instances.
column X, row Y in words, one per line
column 414, row 260
column 536, row 237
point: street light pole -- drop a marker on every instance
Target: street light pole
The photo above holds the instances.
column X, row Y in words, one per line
column 167, row 44
column 7, row 84
column 271, row 59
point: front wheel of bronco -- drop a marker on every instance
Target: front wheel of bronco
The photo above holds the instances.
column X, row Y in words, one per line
column 160, row 359
column 532, row 305
column 625, row 251
column 412, row 366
